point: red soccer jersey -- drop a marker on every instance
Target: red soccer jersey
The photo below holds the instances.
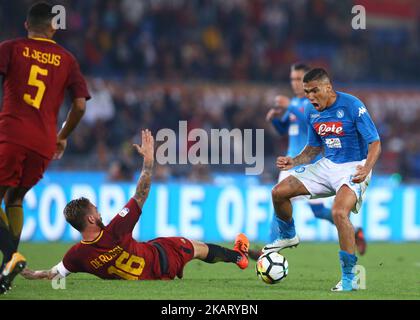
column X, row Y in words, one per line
column 114, row 254
column 37, row 73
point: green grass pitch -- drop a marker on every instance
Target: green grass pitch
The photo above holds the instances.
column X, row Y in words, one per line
column 392, row 272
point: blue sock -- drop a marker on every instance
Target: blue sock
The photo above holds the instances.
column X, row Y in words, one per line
column 347, row 261
column 286, row 230
column 322, row 212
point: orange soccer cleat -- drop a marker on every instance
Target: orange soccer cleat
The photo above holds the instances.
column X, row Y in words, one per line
column 242, row 246
column 11, row 270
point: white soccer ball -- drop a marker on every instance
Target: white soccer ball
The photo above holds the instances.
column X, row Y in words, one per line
column 272, row 267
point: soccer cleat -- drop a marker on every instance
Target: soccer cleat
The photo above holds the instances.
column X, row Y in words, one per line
column 11, row 270
column 360, row 241
column 281, row 244
column 242, row 246
column 351, row 286
column 255, row 254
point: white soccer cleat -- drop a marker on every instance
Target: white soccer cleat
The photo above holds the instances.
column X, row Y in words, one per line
column 280, row 244
column 339, row 287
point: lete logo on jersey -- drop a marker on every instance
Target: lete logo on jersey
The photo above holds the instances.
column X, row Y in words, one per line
column 329, row 128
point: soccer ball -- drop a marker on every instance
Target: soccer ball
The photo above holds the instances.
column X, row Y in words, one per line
column 272, row 267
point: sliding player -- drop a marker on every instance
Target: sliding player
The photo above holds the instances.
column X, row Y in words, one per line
column 110, row 252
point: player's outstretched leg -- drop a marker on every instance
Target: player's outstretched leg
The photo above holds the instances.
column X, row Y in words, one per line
column 212, row 253
column 281, row 195
column 343, row 203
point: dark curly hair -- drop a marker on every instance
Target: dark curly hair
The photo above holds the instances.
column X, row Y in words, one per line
column 75, row 212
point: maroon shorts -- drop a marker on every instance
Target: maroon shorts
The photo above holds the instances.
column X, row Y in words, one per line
column 19, row 166
column 179, row 251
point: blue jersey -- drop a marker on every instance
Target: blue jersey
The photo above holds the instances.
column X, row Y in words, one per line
column 294, row 124
column 344, row 129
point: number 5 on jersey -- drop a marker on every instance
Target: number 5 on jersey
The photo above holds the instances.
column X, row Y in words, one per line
column 39, row 84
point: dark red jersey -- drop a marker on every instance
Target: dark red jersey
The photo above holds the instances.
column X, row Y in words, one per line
column 37, row 72
column 114, row 254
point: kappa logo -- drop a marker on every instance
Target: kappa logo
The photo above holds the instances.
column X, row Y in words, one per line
column 329, row 128
column 362, row 110
column 124, row 212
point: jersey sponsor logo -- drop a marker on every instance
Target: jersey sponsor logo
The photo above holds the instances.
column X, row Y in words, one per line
column 340, row 113
column 333, row 143
column 124, row 212
column 329, row 128
column 362, row 110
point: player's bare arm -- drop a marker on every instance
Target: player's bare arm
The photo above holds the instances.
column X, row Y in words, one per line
column 39, row 274
column 373, row 154
column 305, row 157
column 73, row 118
column 147, row 151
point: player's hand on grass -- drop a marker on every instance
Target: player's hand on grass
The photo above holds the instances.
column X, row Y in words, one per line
column 147, row 146
column 284, row 163
column 361, row 174
column 61, row 145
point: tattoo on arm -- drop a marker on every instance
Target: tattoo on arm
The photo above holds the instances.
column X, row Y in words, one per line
column 306, row 156
column 144, row 183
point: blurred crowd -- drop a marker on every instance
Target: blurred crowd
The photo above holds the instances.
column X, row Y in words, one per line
column 219, row 64
column 247, row 40
column 119, row 110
